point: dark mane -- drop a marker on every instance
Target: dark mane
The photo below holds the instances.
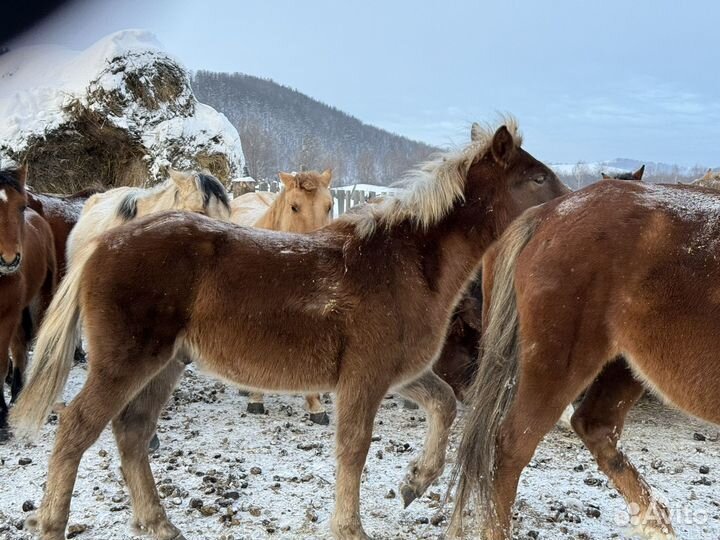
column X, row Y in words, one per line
column 211, row 187
column 127, row 209
column 9, row 178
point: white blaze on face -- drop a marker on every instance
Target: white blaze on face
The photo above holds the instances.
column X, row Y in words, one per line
column 3, row 195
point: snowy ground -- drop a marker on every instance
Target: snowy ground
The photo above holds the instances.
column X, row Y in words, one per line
column 277, row 471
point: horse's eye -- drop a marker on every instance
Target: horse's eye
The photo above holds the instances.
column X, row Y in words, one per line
column 540, row 179
column 295, row 208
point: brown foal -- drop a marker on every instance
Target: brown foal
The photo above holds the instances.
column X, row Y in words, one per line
column 358, row 307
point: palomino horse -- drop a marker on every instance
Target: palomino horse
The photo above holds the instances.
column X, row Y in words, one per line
column 566, row 293
column 304, row 205
column 710, row 180
column 358, row 307
column 27, row 279
column 637, row 175
column 187, row 191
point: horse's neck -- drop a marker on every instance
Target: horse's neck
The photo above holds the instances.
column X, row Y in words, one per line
column 451, row 254
column 271, row 218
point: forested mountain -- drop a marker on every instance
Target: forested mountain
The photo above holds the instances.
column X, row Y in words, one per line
column 284, row 130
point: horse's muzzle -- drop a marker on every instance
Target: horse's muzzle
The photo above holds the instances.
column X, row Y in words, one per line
column 9, row 267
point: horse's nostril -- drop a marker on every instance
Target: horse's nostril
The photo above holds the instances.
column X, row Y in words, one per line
column 14, row 262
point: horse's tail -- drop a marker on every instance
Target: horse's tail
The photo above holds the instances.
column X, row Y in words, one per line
column 492, row 392
column 54, row 351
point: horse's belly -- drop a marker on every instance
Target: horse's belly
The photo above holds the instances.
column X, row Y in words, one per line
column 265, row 361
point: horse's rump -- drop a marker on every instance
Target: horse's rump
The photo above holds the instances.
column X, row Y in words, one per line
column 247, row 209
column 641, row 261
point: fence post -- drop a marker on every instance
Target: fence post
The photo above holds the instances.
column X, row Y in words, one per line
column 339, row 195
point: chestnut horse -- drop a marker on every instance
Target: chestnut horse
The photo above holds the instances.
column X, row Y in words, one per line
column 566, row 294
column 358, row 307
column 304, row 205
column 27, row 279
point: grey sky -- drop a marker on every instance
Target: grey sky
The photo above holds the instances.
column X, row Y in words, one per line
column 588, row 81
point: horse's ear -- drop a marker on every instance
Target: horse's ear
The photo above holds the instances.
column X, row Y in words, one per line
column 605, row 176
column 22, row 174
column 183, row 180
column 637, row 175
column 288, row 180
column 503, row 145
column 326, row 177
column 475, row 132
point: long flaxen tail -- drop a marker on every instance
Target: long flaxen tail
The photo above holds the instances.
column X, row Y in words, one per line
column 493, row 390
column 54, row 352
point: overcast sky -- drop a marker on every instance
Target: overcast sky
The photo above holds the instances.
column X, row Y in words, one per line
column 617, row 78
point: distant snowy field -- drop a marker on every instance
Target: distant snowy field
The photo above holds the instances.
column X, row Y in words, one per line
column 281, row 468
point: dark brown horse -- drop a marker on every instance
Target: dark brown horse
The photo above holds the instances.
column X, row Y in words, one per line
column 617, row 269
column 357, row 307
column 27, row 279
column 61, row 213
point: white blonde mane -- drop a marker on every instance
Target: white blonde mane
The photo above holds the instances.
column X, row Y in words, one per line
column 432, row 189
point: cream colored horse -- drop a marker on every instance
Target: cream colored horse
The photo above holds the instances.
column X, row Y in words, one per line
column 189, row 191
column 304, row 205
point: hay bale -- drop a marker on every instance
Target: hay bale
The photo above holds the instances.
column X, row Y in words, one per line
column 120, row 114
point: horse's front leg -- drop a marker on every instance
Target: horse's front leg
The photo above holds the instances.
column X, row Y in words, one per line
column 438, row 399
column 357, row 403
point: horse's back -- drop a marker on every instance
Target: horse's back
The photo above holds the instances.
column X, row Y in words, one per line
column 247, row 209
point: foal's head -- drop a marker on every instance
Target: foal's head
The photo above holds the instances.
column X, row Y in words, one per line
column 306, row 203
column 13, row 202
column 637, row 175
column 503, row 174
column 201, row 193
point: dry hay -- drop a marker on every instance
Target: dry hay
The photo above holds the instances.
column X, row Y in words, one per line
column 84, row 152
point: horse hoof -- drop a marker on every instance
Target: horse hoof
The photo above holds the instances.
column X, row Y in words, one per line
column 255, row 408
column 320, row 418
column 154, row 445
column 32, row 523
column 243, row 393
column 79, row 357
column 410, row 405
column 408, row 494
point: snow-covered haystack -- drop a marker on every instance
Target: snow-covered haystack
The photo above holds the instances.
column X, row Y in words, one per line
column 118, row 113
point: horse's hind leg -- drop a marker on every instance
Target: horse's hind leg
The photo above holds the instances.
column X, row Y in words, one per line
column 81, row 423
column 599, row 422
column 543, row 391
column 255, row 403
column 133, row 428
column 315, row 407
column 438, row 399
